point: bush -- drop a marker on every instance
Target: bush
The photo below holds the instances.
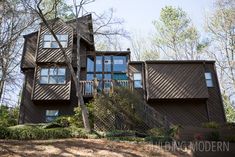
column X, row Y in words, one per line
column 213, row 136
column 4, row 132
column 157, row 132
column 77, row 118
column 8, row 116
column 212, row 125
column 158, row 140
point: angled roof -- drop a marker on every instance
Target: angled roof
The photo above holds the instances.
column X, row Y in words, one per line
column 85, row 25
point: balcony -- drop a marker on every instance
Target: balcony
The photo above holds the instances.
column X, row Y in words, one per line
column 89, row 88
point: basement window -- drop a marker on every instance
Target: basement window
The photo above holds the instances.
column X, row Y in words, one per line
column 50, row 42
column 208, row 78
column 52, row 75
column 51, row 115
column 137, row 80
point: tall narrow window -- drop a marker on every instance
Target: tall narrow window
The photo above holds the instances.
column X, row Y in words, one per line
column 51, row 115
column 137, row 80
column 50, row 42
column 90, row 64
column 99, row 63
column 107, row 63
column 208, row 78
column 52, row 75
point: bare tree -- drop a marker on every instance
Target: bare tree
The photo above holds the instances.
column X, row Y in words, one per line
column 36, row 7
column 221, row 29
column 14, row 20
column 143, row 48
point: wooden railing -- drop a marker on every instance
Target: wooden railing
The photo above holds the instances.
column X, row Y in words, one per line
column 88, row 88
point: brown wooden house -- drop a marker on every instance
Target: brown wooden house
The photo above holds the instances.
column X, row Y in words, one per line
column 186, row 92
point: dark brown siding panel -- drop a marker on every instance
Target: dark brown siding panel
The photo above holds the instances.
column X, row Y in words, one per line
column 183, row 112
column 54, row 54
column 215, row 103
column 35, row 113
column 174, row 81
column 51, row 92
column 28, row 57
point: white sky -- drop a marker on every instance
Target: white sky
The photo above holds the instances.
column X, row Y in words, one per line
column 139, row 14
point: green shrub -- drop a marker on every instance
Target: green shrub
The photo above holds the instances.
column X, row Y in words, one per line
column 156, row 132
column 77, row 118
column 212, row 125
column 213, row 136
column 158, row 139
column 4, row 132
column 8, row 116
column 52, row 125
column 230, row 138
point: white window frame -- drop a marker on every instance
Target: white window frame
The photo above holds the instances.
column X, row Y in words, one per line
column 49, row 41
column 139, row 79
column 208, row 78
column 48, row 76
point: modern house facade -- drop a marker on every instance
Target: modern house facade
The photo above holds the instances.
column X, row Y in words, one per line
column 186, row 92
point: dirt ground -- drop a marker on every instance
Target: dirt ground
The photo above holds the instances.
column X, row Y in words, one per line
column 83, row 147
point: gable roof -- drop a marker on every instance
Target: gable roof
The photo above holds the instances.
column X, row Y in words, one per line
column 85, row 25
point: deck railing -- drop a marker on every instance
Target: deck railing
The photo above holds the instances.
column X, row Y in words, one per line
column 88, row 88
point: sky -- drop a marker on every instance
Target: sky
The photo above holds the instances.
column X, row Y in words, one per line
column 139, row 14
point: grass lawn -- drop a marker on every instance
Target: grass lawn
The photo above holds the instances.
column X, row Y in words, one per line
column 83, row 147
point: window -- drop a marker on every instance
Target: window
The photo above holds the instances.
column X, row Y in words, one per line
column 137, row 80
column 50, row 42
column 99, row 64
column 107, row 63
column 52, row 75
column 119, row 64
column 208, row 78
column 120, row 76
column 51, row 115
column 90, row 64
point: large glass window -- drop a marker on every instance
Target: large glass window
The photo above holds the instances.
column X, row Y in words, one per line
column 51, row 115
column 137, row 80
column 120, row 76
column 208, row 78
column 50, row 42
column 119, row 64
column 99, row 64
column 52, row 75
column 107, row 63
column 90, row 64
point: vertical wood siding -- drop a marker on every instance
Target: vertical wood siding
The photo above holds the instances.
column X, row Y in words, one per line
column 174, row 81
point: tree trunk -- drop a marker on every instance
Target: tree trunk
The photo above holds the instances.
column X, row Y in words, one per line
column 1, row 89
column 69, row 64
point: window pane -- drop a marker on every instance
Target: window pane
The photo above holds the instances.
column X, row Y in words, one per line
column 52, row 80
column 137, row 76
column 107, row 76
column 90, row 64
column 89, row 77
column 61, row 71
column 44, row 72
column 47, row 37
column 54, row 44
column 53, row 71
column 120, row 77
column 46, row 44
column 208, row 75
column 209, row 83
column 64, row 44
column 52, row 112
column 64, row 38
column 137, row 84
column 119, row 64
column 61, row 80
column 43, row 79
column 99, row 63
column 107, row 63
